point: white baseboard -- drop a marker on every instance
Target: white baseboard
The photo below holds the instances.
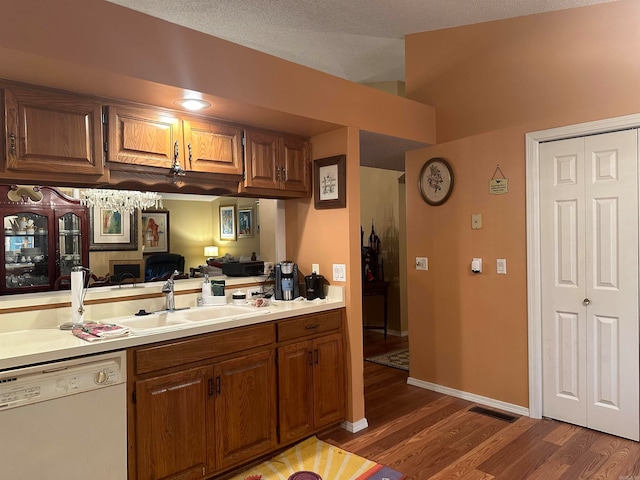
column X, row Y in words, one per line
column 472, row 397
column 355, row 427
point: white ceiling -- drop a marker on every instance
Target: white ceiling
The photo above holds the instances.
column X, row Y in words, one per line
column 359, row 40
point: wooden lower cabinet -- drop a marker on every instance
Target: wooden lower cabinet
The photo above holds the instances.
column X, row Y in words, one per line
column 225, row 405
column 245, row 417
column 311, row 386
column 174, row 425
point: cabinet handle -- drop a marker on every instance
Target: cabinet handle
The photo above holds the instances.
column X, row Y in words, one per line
column 315, row 354
column 312, row 326
column 190, row 155
column 12, row 143
column 277, row 174
column 310, row 358
column 284, row 174
column 218, row 385
column 586, row 302
column 211, row 387
column 175, row 152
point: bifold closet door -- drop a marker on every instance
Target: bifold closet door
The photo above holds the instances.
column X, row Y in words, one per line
column 589, row 258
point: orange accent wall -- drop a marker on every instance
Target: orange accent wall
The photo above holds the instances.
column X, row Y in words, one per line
column 333, row 236
column 491, row 83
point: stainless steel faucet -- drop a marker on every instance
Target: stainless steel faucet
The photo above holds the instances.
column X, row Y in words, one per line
column 168, row 290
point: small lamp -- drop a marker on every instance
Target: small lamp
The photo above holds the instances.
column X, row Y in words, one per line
column 210, row 251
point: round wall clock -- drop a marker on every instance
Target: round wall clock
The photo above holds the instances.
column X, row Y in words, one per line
column 435, row 181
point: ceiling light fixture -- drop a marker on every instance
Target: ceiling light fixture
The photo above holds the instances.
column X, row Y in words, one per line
column 124, row 201
column 193, row 104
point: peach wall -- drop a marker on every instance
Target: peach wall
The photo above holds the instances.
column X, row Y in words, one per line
column 333, row 236
column 491, row 83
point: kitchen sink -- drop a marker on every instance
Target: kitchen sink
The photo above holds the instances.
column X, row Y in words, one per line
column 178, row 319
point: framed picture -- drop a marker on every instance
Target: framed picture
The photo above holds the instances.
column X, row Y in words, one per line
column 112, row 230
column 155, row 231
column 329, row 182
column 227, row 222
column 245, row 222
column 436, row 181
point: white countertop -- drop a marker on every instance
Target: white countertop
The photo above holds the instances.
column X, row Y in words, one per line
column 28, row 347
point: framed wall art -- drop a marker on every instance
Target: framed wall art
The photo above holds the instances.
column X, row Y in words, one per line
column 112, row 230
column 227, row 222
column 245, row 222
column 329, row 182
column 436, row 181
column 155, row 231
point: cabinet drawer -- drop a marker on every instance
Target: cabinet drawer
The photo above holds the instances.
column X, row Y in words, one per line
column 309, row 325
column 158, row 357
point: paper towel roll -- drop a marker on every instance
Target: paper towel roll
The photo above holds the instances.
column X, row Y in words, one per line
column 77, row 287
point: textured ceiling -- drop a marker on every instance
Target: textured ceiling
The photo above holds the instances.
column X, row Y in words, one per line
column 359, row 40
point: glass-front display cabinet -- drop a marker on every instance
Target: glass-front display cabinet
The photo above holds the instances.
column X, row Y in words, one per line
column 45, row 235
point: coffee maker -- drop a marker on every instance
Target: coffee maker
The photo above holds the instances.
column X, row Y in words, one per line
column 287, row 281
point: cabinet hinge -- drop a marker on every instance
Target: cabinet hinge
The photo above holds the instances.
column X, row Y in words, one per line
column 106, row 146
column 244, row 140
column 133, row 397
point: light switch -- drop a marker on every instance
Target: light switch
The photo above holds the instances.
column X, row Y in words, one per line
column 501, row 266
column 422, row 263
column 476, row 221
column 339, row 272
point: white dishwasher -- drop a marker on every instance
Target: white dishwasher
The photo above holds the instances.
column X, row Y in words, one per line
column 65, row 420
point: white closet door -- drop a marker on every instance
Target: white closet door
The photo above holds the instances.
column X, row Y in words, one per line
column 589, row 230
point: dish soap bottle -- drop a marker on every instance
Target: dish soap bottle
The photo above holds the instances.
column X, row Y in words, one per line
column 206, row 288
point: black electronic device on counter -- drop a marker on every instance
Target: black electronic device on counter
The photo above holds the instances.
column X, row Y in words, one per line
column 243, row 269
column 314, row 284
column 287, row 281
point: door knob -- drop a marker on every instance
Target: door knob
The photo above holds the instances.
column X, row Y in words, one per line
column 586, row 302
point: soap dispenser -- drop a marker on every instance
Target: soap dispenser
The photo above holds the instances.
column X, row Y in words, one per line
column 206, row 288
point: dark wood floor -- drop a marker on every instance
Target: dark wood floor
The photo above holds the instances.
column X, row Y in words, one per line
column 425, row 434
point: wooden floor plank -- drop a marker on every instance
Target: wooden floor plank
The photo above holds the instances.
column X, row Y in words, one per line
column 428, row 435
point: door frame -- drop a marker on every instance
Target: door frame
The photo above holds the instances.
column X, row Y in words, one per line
column 534, row 293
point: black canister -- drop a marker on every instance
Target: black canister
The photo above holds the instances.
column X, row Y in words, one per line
column 315, row 286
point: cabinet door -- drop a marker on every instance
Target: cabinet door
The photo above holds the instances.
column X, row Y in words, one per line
column 52, row 133
column 245, row 408
column 261, row 160
column 294, row 164
column 295, row 388
column 143, row 137
column 213, row 147
column 174, row 419
column 328, row 380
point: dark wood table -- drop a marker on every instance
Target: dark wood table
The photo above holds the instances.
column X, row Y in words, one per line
column 373, row 288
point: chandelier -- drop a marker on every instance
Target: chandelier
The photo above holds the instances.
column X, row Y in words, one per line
column 124, row 201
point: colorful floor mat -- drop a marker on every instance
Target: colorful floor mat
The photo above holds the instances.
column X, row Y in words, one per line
column 321, row 458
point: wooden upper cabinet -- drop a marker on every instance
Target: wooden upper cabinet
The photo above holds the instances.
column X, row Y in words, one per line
column 294, row 160
column 261, row 160
column 277, row 163
column 142, row 137
column 213, row 147
column 51, row 133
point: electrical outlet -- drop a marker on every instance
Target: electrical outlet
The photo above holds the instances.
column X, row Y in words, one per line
column 422, row 263
column 315, row 268
column 253, row 292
